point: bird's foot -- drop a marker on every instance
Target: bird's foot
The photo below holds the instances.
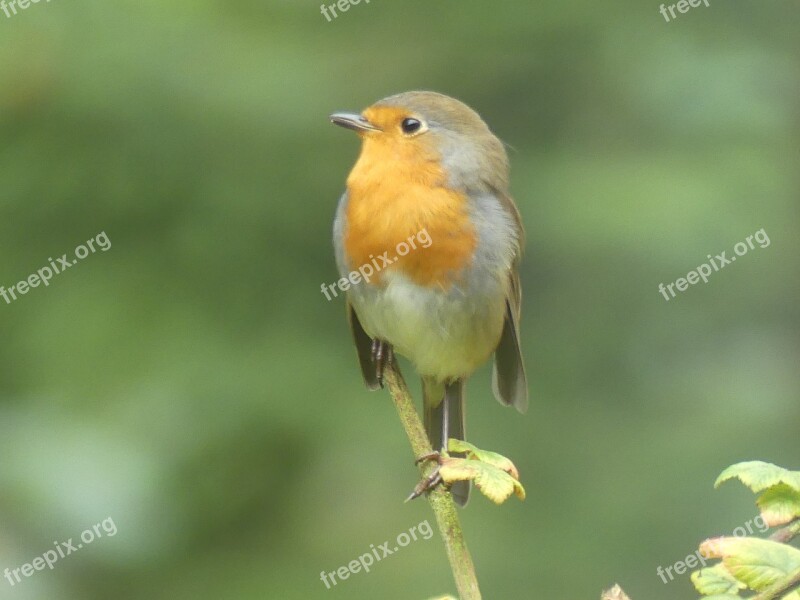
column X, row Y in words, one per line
column 382, row 357
column 432, row 480
column 427, row 484
column 435, row 455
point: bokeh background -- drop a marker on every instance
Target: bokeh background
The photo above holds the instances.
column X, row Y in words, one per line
column 193, row 384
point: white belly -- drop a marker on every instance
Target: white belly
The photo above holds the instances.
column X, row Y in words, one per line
column 445, row 334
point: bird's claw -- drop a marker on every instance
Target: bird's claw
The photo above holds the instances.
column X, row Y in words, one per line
column 435, row 455
column 427, row 484
column 432, row 480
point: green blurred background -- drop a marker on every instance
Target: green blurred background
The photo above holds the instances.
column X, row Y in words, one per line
column 193, row 383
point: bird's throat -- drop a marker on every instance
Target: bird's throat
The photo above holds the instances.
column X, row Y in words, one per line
column 392, row 199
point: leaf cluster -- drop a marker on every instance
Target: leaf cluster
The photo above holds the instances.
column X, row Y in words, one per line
column 768, row 567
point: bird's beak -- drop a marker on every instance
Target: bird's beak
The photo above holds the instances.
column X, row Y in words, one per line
column 353, row 121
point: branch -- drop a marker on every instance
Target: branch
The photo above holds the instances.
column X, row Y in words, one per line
column 440, row 500
column 785, row 535
column 788, row 584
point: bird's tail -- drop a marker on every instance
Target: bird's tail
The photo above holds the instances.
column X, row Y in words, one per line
column 440, row 400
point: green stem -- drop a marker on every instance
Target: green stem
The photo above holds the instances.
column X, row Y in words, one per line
column 785, row 535
column 440, row 499
column 781, row 588
column 791, row 581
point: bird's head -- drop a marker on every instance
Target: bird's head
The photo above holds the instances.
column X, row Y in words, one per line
column 424, row 128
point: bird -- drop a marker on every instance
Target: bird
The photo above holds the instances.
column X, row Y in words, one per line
column 430, row 169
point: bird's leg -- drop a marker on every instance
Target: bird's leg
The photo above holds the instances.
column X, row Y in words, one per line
column 445, row 420
column 382, row 356
column 452, row 391
column 432, row 480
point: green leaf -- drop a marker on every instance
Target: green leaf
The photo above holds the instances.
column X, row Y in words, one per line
column 717, row 580
column 475, row 453
column 759, row 475
column 779, row 505
column 494, row 483
column 755, row 562
column 458, row 469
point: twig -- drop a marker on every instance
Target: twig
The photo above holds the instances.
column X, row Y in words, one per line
column 786, row 534
column 779, row 589
column 440, row 500
column 783, row 536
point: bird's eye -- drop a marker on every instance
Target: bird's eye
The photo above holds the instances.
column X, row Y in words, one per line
column 410, row 125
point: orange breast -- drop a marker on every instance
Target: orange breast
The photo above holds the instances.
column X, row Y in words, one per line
column 395, row 191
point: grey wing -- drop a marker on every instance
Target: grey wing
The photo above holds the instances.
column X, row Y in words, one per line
column 360, row 337
column 338, row 236
column 509, row 382
column 364, row 350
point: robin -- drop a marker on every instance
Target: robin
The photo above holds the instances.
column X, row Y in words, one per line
column 430, row 164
